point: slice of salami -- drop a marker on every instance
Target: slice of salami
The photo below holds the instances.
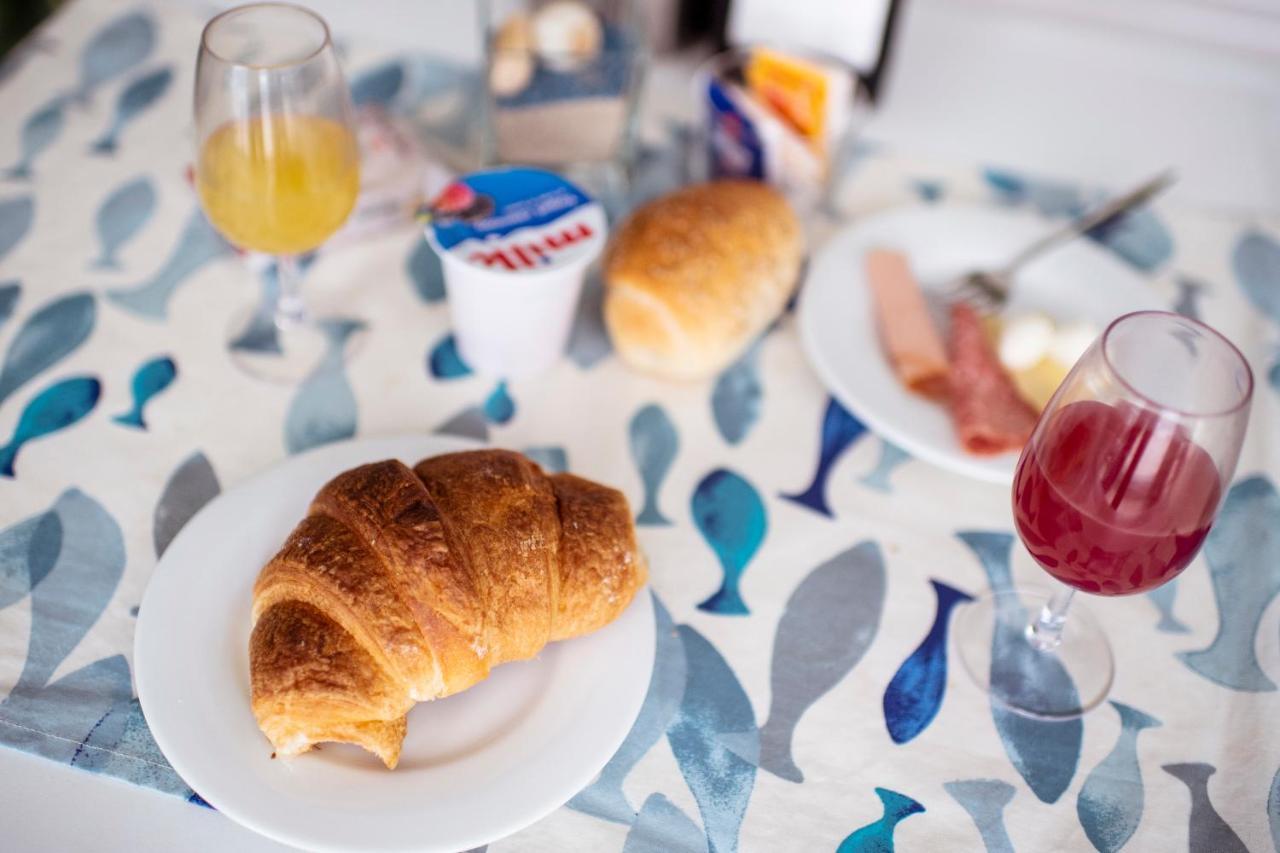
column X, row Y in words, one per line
column 989, row 414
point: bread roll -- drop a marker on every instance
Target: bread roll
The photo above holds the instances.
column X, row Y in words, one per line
column 693, row 277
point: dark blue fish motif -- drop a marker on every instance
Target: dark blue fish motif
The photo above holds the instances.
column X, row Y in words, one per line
column 839, row 430
column 191, row 485
column 985, row 800
column 41, row 129
column 53, row 332
column 604, row 798
column 1256, row 263
column 736, row 397
column 891, row 458
column 1111, row 798
column 1207, row 832
column 1190, row 292
column 878, row 837
column 731, row 518
column 378, row 85
column 714, row 704
column 1138, row 237
column 469, row 423
column 829, row 623
column 121, row 217
column 136, row 98
column 1243, row 552
column 1051, row 198
column 915, row 692
column 260, row 334
column 120, row 45
column 929, row 191
column 1163, row 597
column 55, row 408
column 198, row 245
column 425, row 272
column 120, row 744
column 553, row 459
column 654, row 442
column 662, row 828
column 444, row 362
column 16, row 215
column 1273, row 811
column 1045, row 753
column 324, row 409
column 499, row 408
column 9, row 292
column 588, row 339
column 150, row 379
column 28, row 550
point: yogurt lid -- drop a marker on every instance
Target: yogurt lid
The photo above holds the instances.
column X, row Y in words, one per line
column 515, row 220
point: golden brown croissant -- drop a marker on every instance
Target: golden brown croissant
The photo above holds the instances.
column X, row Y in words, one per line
column 406, row 585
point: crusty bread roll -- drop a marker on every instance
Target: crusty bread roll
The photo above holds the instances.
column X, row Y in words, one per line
column 693, row 277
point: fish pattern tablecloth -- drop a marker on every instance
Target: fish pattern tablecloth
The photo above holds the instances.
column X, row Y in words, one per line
column 805, row 570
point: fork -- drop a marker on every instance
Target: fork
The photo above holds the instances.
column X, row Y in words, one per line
column 988, row 290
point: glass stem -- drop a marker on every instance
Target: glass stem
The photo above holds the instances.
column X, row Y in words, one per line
column 1045, row 631
column 290, row 309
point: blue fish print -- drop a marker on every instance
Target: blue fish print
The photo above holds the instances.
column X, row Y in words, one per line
column 499, row 408
column 1138, row 237
column 714, row 704
column 878, row 837
column 604, row 797
column 1051, row 198
column 28, row 551
column 914, row 695
column 929, row 191
column 425, row 272
column 1163, row 597
column 41, row 129
column 117, row 47
column 149, row 380
column 324, row 409
column 662, row 828
column 731, row 517
column 121, row 217
column 553, row 459
column 379, row 85
column 1111, row 798
column 1273, row 811
column 192, row 485
column 198, row 245
column 984, row 800
column 16, row 215
column 588, row 339
column 260, row 334
column 654, row 442
column 1045, row 753
column 137, row 97
column 53, row 332
column 736, row 397
column 469, row 423
column 444, row 362
column 121, row 745
column 1256, row 264
column 829, row 623
column 1189, row 293
column 839, row 430
column 1243, row 552
column 891, row 458
column 1207, row 831
column 55, row 408
column 9, row 293
column 54, row 720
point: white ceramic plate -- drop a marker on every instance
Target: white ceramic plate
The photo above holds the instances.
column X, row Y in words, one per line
column 1078, row 281
column 475, row 767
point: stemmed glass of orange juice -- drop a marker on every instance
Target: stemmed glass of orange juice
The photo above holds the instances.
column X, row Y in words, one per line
column 277, row 165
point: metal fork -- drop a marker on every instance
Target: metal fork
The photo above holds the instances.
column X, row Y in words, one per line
column 988, row 290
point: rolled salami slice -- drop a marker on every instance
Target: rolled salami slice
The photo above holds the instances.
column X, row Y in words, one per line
column 989, row 415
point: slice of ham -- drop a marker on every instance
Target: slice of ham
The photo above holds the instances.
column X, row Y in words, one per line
column 989, row 414
column 907, row 332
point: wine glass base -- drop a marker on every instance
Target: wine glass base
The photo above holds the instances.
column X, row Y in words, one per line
column 288, row 353
column 992, row 642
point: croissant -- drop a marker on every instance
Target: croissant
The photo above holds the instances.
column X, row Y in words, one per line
column 402, row 586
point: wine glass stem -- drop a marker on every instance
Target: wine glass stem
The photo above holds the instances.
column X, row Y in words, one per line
column 291, row 312
column 1045, row 631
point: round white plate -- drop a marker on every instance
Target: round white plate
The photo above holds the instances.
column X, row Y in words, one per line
column 475, row 767
column 1077, row 281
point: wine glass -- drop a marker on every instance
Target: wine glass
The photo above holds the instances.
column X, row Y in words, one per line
column 277, row 163
column 1114, row 494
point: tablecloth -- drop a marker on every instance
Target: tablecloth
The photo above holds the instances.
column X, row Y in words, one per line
column 802, row 697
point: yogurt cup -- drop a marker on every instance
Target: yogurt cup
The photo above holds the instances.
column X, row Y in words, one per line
column 515, row 244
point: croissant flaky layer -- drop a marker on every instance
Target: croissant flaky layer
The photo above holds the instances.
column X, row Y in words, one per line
column 403, row 585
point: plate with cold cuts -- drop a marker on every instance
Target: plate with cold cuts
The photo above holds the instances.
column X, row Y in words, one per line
column 1079, row 283
column 476, row 766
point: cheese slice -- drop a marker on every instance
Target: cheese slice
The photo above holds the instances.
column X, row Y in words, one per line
column 907, row 332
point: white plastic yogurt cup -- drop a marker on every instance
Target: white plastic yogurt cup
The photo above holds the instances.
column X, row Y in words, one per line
column 515, row 245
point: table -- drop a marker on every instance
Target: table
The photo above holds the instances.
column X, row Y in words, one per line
column 968, row 778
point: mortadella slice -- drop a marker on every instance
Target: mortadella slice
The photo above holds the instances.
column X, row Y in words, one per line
column 907, row 331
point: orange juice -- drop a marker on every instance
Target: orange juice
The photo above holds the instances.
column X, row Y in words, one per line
column 280, row 184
